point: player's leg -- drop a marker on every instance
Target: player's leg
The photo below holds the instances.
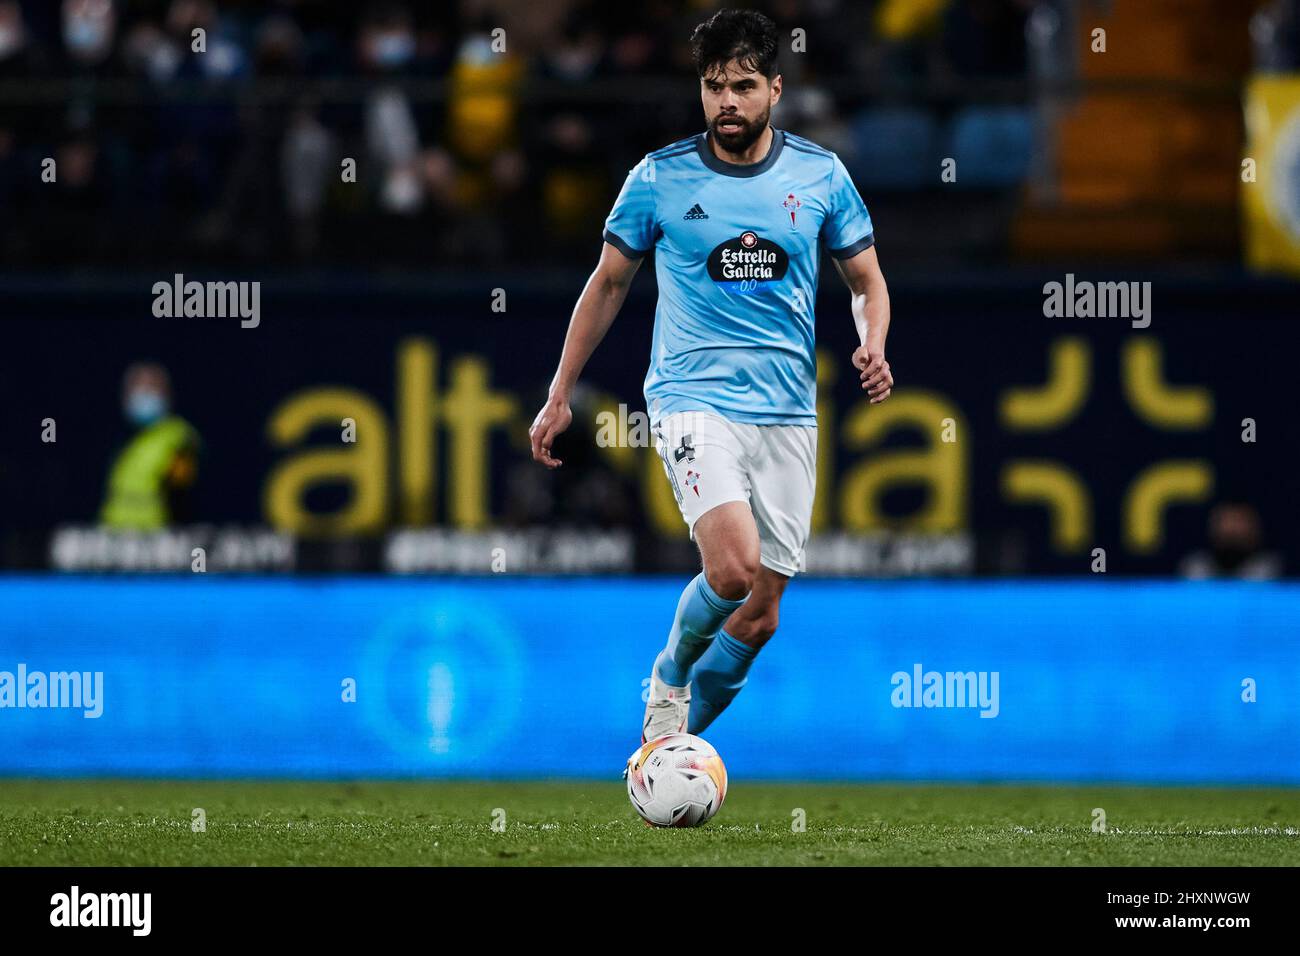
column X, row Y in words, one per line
column 728, row 541
column 783, row 479
column 723, row 670
column 701, row 459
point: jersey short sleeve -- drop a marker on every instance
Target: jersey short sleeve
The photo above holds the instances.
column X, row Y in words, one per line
column 847, row 229
column 630, row 227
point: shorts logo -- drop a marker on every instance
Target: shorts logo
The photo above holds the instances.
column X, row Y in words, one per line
column 791, row 204
column 747, row 263
column 684, row 451
column 662, row 447
column 693, row 481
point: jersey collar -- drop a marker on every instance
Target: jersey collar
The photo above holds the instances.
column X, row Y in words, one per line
column 741, row 170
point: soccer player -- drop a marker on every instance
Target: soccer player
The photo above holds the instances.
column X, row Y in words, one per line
column 737, row 216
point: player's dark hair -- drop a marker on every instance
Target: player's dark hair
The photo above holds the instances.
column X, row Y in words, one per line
column 743, row 35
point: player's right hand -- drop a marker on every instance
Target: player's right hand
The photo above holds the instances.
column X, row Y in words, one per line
column 550, row 422
column 877, row 378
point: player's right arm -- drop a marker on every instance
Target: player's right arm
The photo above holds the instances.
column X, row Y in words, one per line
column 599, row 302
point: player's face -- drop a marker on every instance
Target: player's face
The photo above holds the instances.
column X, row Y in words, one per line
column 738, row 104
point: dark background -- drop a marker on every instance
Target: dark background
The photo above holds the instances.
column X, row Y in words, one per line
column 967, row 348
column 482, row 170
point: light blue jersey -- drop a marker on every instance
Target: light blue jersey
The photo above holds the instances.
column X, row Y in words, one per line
column 737, row 257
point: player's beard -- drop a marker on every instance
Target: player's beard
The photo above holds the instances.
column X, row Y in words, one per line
column 745, row 137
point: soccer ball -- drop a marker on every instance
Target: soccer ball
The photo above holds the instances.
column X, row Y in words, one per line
column 677, row 780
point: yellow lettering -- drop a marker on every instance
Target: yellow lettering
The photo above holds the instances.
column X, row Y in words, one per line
column 417, row 384
column 470, row 411
column 1060, row 398
column 1060, row 490
column 942, row 468
column 363, row 464
column 1153, row 491
column 1157, row 402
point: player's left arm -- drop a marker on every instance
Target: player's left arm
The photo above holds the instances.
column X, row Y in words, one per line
column 861, row 273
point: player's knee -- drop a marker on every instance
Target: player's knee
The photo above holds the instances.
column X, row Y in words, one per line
column 733, row 578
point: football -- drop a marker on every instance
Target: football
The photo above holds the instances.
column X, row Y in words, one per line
column 676, row 781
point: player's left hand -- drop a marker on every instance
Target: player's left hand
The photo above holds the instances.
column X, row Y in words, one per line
column 877, row 379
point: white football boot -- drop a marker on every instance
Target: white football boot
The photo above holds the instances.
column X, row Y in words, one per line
column 665, row 709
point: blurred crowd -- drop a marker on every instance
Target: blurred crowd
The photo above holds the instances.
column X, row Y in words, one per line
column 192, row 131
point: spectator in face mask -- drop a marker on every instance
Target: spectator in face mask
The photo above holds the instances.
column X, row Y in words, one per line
column 1235, row 547
column 387, row 42
column 20, row 58
column 150, row 481
column 387, row 47
column 13, row 127
column 89, row 28
column 13, row 34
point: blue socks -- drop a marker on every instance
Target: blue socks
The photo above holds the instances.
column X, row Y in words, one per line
column 719, row 676
column 700, row 614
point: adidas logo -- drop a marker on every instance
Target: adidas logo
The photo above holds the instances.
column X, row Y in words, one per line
column 695, row 212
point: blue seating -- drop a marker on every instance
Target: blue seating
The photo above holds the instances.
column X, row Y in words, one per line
column 993, row 146
column 896, row 148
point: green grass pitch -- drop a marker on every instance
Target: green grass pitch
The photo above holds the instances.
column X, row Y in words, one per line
column 272, row 823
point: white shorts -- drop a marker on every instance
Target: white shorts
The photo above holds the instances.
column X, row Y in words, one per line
column 773, row 468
